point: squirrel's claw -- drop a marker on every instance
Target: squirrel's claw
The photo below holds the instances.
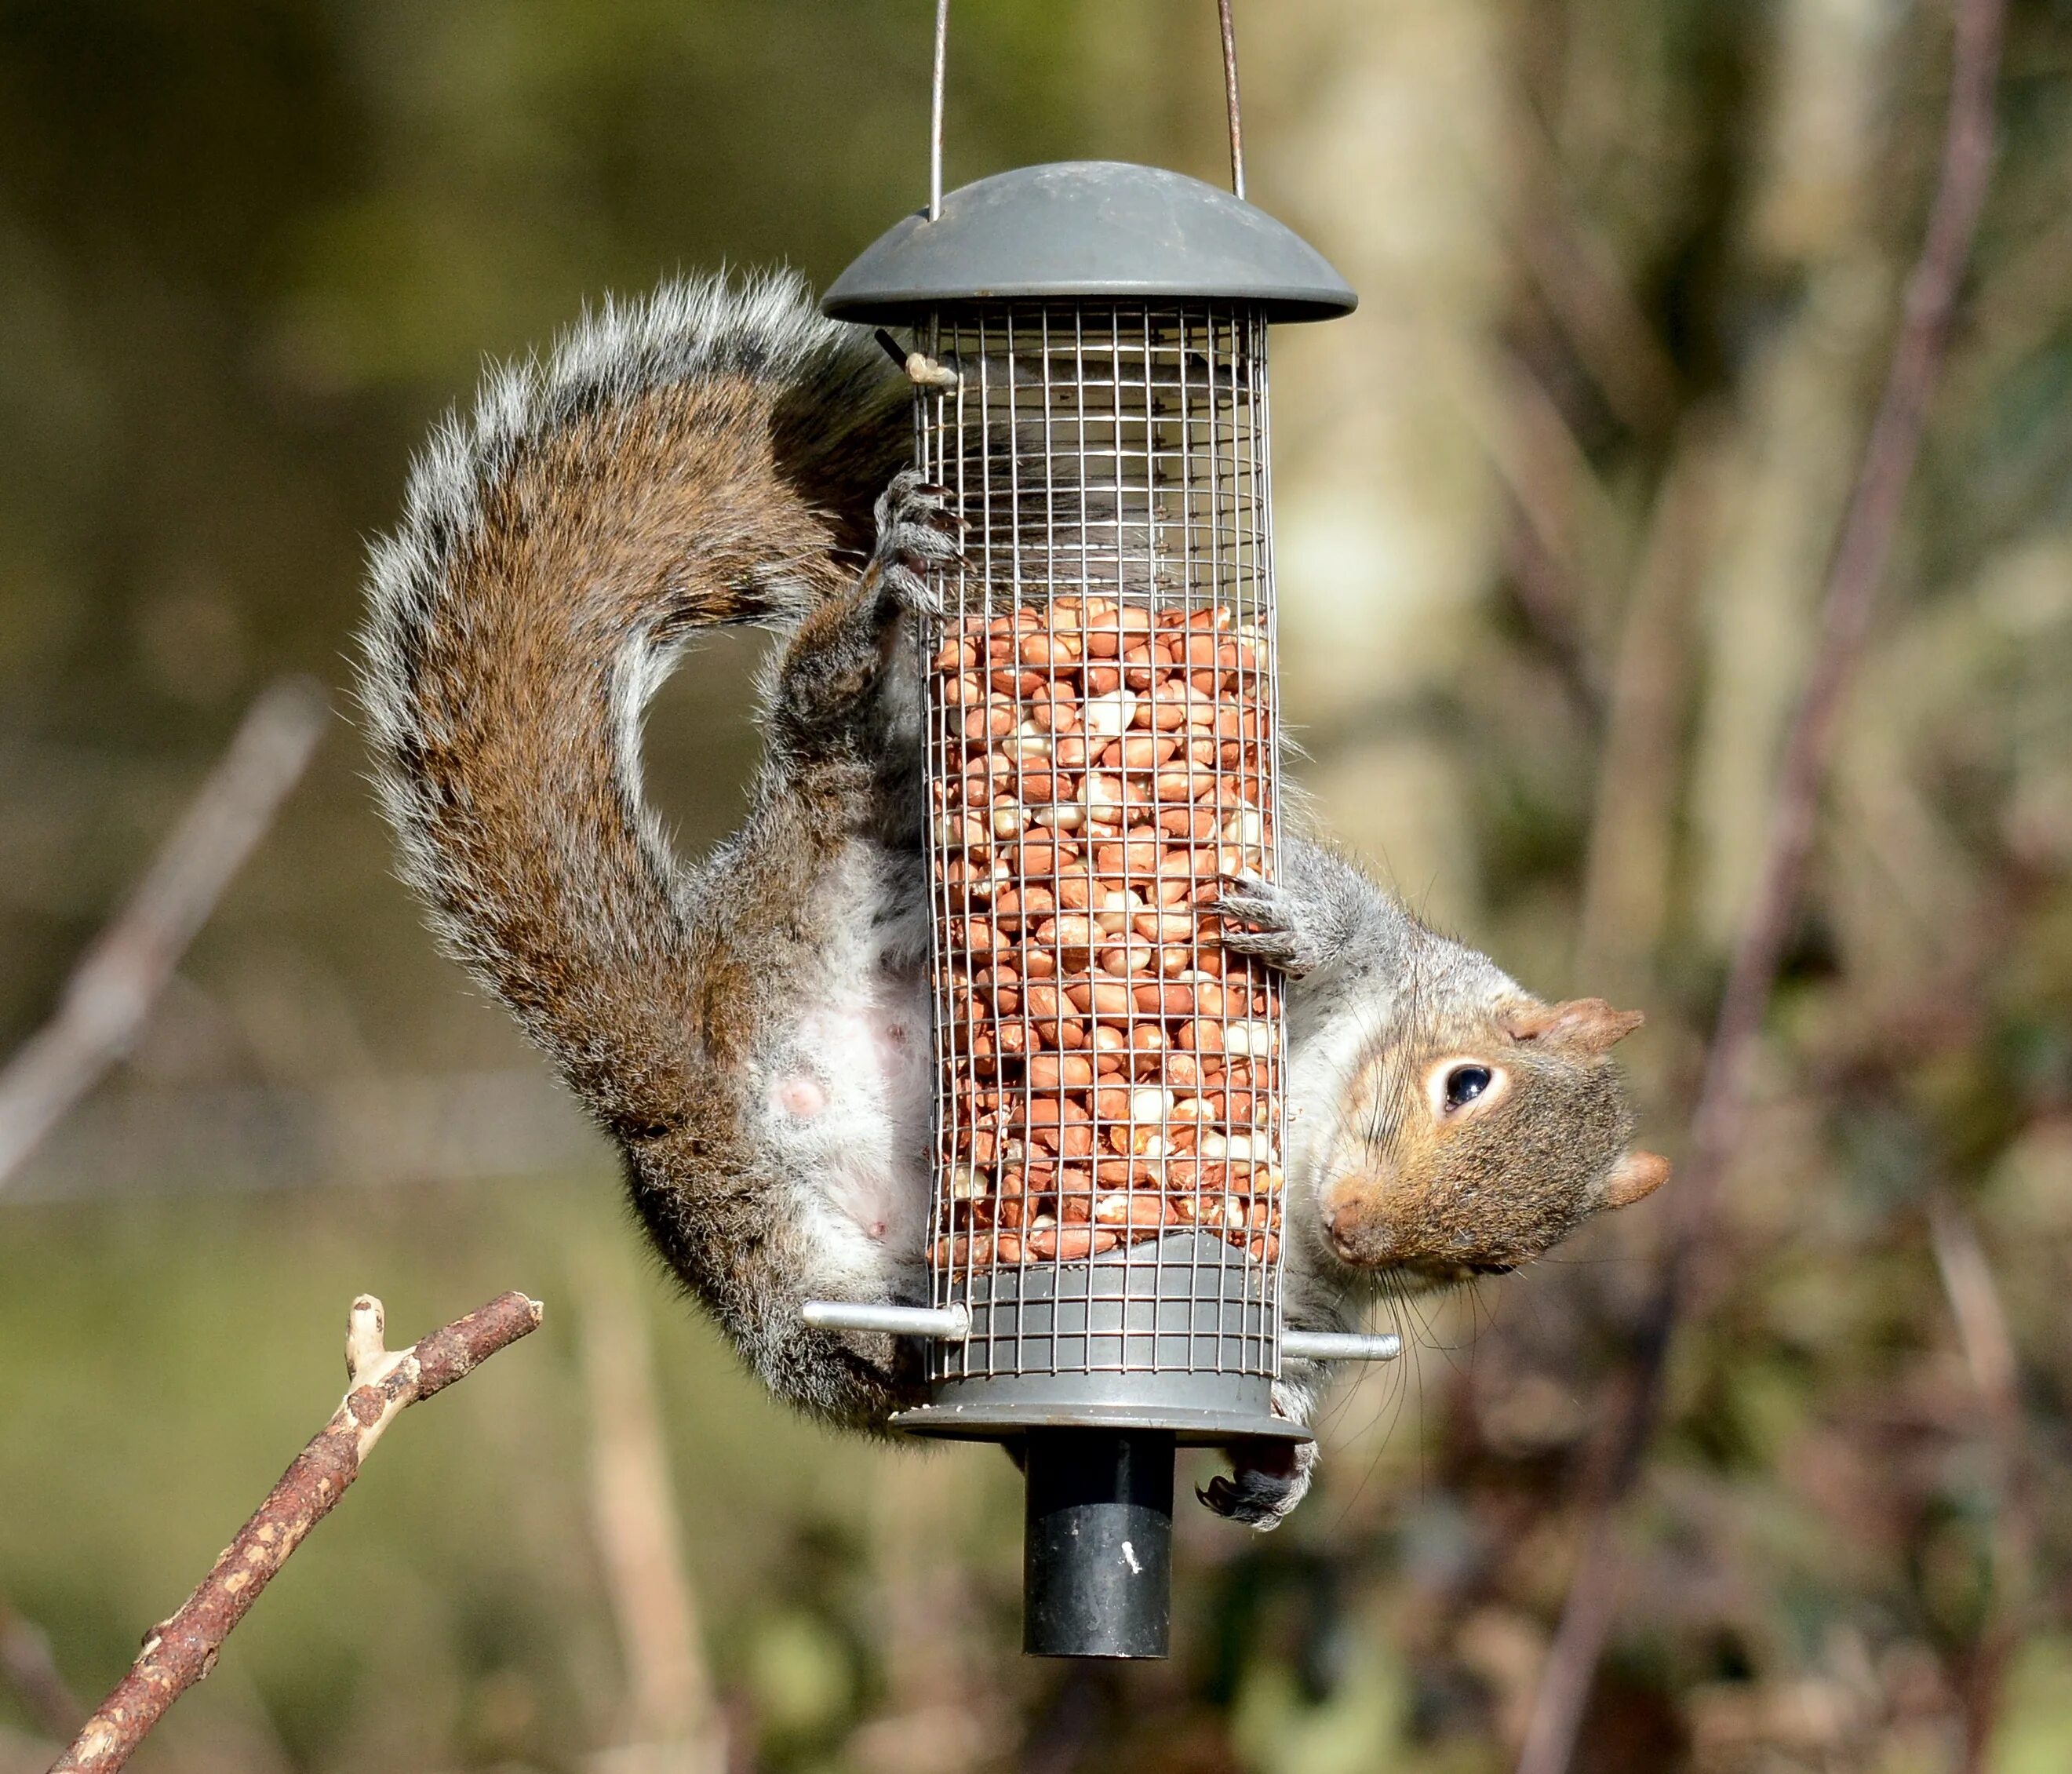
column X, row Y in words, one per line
column 916, row 530
column 1261, row 1496
column 1260, row 919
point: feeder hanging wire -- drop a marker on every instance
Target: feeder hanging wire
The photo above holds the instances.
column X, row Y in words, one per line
column 936, row 111
column 1228, row 34
column 1229, row 97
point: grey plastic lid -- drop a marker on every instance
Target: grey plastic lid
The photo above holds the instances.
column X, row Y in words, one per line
column 1089, row 228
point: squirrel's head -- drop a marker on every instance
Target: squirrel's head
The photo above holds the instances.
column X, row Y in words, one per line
column 1471, row 1148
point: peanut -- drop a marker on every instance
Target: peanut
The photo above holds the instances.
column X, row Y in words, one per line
column 1097, row 766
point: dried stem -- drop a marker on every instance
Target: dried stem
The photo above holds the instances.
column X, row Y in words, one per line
column 1853, row 577
column 1577, row 275
column 674, row 1715
column 1546, row 597
column 1626, row 877
column 1559, row 505
column 1982, row 1329
column 180, row 1651
column 111, row 990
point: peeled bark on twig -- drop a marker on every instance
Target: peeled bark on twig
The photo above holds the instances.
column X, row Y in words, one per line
column 179, row 1652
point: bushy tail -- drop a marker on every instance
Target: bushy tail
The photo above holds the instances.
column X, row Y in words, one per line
column 705, row 456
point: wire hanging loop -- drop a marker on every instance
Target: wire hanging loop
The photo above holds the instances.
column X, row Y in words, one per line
column 936, row 111
column 935, row 104
column 1230, row 97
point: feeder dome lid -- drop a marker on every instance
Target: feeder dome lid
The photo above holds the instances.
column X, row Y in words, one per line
column 1079, row 229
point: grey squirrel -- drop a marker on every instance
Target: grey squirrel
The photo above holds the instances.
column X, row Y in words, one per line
column 753, row 1031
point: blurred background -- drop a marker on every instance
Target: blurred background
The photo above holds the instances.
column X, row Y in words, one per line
column 1555, row 510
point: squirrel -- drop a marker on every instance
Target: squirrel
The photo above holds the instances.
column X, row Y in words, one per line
column 753, row 1031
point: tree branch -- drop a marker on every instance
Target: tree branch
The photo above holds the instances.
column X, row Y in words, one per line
column 1854, row 575
column 119, row 978
column 180, row 1651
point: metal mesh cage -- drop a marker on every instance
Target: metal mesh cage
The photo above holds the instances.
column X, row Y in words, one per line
column 1101, row 756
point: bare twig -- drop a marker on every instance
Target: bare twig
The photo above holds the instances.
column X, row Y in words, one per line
column 1853, row 577
column 1982, row 1328
column 1626, row 877
column 1561, row 506
column 675, row 1723
column 112, row 990
column 1545, row 592
column 1975, row 1303
column 180, row 1651
column 1577, row 275
column 28, row 1668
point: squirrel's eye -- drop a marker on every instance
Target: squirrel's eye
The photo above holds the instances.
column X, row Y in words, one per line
column 1464, row 1084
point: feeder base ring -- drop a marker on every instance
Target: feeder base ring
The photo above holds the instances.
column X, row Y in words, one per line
column 1003, row 1408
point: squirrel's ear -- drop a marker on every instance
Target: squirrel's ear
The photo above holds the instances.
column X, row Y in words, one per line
column 1590, row 1022
column 1636, row 1177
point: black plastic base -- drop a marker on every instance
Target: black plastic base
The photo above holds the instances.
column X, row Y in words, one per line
column 1097, row 1554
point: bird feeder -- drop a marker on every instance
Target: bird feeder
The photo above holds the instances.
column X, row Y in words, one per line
column 1087, row 344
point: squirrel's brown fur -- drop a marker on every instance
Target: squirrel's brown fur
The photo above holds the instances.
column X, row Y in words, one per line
column 707, row 457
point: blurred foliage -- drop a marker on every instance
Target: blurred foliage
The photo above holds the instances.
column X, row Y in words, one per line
column 1554, row 510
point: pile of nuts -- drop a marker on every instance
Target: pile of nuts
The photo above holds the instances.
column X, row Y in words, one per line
column 1111, row 1072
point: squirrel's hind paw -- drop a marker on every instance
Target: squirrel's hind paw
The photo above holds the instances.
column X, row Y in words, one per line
column 1261, row 919
column 1261, row 1493
column 916, row 530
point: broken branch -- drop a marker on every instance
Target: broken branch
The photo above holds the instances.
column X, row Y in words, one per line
column 180, row 1651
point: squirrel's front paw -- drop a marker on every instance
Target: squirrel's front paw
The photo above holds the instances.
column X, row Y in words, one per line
column 1261, row 919
column 1264, row 1485
column 916, row 530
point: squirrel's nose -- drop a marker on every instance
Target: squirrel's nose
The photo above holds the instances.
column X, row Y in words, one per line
column 1339, row 1211
column 1354, row 1211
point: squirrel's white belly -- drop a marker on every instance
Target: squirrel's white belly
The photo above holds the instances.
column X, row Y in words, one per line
column 850, row 1101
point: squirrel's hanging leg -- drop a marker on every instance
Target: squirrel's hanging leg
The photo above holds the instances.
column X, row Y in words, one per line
column 836, row 658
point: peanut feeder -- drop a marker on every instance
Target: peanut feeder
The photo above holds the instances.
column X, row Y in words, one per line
column 1087, row 342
